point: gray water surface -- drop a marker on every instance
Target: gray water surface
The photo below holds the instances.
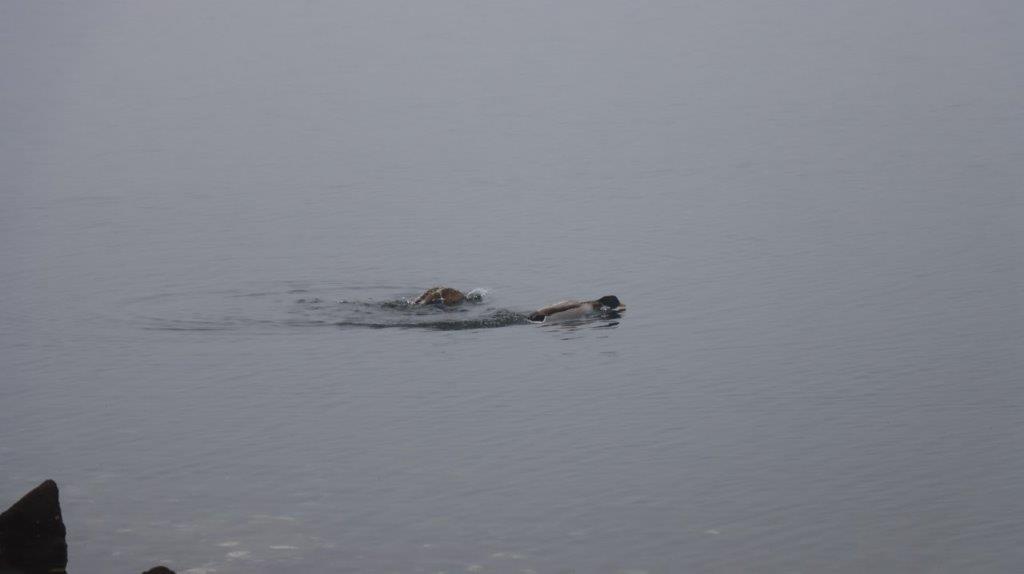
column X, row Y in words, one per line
column 812, row 210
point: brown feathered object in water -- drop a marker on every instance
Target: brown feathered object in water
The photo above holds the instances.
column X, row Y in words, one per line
column 440, row 296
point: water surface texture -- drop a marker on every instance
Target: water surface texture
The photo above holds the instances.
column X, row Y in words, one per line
column 813, row 211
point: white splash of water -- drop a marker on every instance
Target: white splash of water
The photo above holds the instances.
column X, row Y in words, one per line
column 478, row 294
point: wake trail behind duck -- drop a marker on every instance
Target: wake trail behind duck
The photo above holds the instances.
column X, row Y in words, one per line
column 497, row 319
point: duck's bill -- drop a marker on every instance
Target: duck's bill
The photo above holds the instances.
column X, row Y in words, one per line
column 619, row 309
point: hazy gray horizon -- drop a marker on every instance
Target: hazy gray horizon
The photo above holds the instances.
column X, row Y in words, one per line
column 811, row 209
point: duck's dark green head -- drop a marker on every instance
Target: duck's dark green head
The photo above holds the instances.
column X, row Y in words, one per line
column 611, row 303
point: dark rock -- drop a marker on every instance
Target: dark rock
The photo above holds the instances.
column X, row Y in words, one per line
column 159, row 570
column 32, row 534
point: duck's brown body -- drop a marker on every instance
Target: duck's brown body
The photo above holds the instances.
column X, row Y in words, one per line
column 440, row 296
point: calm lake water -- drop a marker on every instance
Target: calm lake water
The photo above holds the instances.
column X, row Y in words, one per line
column 812, row 210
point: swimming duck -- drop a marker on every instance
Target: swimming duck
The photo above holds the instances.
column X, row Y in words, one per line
column 440, row 296
column 578, row 309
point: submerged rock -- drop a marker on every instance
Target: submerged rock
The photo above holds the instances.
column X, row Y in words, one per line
column 32, row 534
